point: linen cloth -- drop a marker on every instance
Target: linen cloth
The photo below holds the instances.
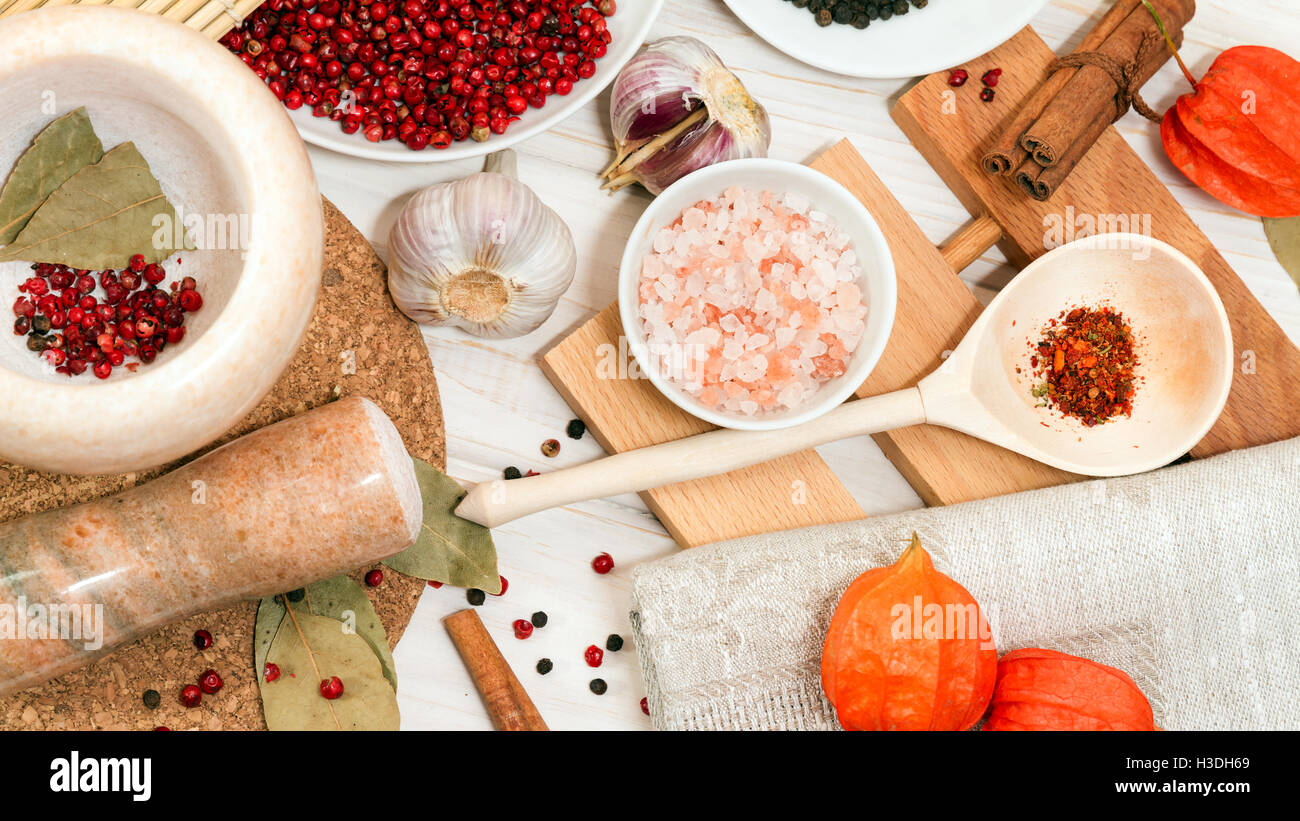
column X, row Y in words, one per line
column 1187, row 578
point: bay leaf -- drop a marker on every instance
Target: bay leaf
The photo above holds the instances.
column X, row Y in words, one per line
column 309, row 648
column 63, row 148
column 100, row 217
column 450, row 549
column 1284, row 238
column 333, row 598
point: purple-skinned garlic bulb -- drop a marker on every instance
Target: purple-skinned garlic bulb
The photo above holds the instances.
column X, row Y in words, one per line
column 676, row 109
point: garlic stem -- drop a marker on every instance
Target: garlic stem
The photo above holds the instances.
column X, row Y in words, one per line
column 650, row 148
column 623, row 152
column 620, row 182
column 502, row 162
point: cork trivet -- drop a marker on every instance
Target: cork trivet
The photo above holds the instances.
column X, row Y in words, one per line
column 357, row 344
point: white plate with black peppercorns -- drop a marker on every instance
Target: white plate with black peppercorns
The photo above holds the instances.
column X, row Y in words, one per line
column 867, row 38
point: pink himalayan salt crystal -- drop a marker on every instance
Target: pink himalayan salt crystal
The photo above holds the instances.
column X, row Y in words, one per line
column 750, row 301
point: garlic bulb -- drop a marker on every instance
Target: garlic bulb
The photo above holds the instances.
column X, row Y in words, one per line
column 675, row 109
column 483, row 254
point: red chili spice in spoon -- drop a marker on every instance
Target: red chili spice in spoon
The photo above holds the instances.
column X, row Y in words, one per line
column 1087, row 364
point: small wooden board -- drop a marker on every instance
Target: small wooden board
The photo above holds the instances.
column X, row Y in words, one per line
column 392, row 367
column 1110, row 183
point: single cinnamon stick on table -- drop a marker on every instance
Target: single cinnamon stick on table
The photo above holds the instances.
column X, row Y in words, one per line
column 1089, row 95
column 1007, row 154
column 507, row 704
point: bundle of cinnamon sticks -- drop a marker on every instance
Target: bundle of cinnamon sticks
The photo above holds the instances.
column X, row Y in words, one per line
column 1078, row 101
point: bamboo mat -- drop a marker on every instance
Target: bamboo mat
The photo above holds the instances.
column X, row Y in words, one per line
column 212, row 17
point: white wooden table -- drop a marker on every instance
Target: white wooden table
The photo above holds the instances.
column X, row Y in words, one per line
column 499, row 408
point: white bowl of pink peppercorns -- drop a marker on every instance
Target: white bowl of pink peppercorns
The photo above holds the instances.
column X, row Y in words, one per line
column 224, row 154
column 486, row 81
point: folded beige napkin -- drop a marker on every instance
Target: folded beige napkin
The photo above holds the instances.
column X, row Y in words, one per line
column 1187, row 578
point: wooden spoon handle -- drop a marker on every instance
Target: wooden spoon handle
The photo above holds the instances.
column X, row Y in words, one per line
column 507, row 704
column 970, row 243
column 720, row 451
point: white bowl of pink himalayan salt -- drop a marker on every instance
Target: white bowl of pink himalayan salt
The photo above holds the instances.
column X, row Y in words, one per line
column 757, row 294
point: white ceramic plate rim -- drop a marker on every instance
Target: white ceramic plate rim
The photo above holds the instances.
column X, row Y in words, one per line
column 722, row 176
column 325, row 133
column 794, row 37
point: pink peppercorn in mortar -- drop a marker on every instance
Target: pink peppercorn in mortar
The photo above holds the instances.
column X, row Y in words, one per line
column 78, row 321
column 752, row 301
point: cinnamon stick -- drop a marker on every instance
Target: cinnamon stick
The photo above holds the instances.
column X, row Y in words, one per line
column 1089, row 96
column 1040, row 181
column 507, row 704
column 1007, row 154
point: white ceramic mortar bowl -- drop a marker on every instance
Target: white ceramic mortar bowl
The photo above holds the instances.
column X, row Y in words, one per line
column 220, row 144
column 878, row 283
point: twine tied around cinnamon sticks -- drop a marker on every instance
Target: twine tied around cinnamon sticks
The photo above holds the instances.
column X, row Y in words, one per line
column 1123, row 75
column 1083, row 93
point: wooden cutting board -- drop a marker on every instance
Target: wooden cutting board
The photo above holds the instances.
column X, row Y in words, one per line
column 934, row 311
column 357, row 344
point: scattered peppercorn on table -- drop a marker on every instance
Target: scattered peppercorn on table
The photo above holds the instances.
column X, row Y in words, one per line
column 500, row 409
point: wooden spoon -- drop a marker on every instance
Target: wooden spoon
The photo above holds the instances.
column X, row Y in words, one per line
column 1185, row 356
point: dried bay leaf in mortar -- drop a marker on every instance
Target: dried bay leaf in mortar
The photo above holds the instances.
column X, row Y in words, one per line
column 338, row 598
column 1284, row 238
column 100, row 217
column 63, row 148
column 309, row 648
column 450, row 549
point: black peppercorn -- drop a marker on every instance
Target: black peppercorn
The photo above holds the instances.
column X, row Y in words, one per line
column 598, row 686
column 576, row 428
column 857, row 13
column 544, row 666
column 298, row 595
column 539, row 619
column 152, row 699
column 511, row 472
column 475, row 596
column 614, row 643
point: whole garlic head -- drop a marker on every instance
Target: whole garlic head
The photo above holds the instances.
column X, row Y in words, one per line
column 483, row 254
